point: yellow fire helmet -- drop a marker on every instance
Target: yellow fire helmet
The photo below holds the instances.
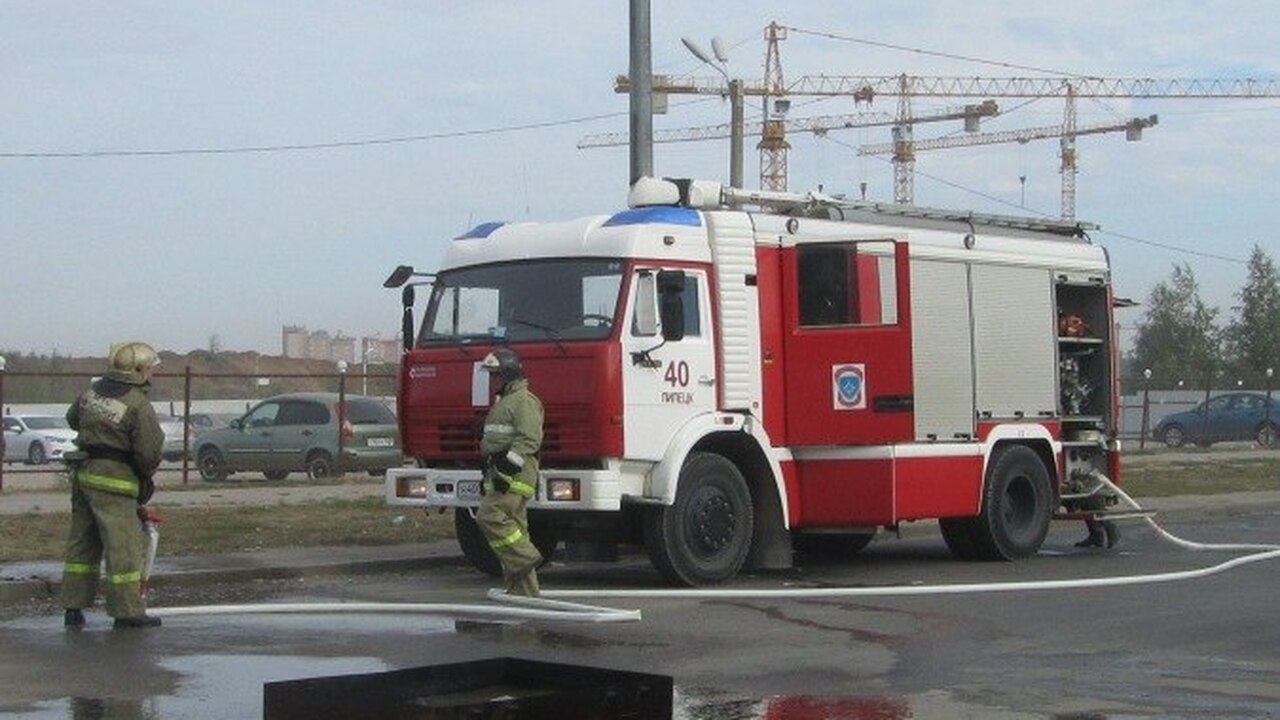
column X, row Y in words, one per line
column 132, row 356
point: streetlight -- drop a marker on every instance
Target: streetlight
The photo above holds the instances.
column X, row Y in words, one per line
column 735, row 102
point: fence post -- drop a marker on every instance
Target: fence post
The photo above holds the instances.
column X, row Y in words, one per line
column 1271, row 432
column 342, row 412
column 1146, row 408
column 186, row 424
column 3, row 362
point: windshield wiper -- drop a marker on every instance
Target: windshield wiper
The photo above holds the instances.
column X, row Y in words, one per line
column 550, row 331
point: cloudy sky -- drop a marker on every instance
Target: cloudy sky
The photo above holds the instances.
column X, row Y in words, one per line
column 110, row 228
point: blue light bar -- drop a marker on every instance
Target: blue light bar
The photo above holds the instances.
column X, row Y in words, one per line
column 483, row 230
column 656, row 214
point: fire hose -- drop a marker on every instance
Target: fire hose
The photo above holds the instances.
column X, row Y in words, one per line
column 548, row 607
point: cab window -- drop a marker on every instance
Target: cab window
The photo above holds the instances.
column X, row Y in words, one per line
column 847, row 283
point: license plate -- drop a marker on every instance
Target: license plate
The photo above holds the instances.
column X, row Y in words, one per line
column 468, row 489
column 381, row 442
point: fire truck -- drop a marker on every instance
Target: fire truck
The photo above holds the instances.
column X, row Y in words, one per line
column 730, row 376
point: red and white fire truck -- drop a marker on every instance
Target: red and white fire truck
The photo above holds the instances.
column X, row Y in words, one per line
column 723, row 385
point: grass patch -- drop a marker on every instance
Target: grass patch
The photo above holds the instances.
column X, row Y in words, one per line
column 218, row 530
column 1201, row 478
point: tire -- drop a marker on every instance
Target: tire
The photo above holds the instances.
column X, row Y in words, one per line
column 834, row 545
column 474, row 546
column 958, row 533
column 1174, row 436
column 1017, row 505
column 275, row 475
column 212, row 467
column 319, row 465
column 36, row 454
column 1265, row 435
column 703, row 537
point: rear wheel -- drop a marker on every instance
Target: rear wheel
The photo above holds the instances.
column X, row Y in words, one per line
column 703, row 537
column 1017, row 505
column 958, row 533
column 319, row 465
column 1265, row 435
column 212, row 467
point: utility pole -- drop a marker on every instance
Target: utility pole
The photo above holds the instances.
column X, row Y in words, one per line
column 641, row 73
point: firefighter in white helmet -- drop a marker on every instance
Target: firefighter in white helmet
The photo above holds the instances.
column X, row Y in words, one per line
column 119, row 445
column 509, row 450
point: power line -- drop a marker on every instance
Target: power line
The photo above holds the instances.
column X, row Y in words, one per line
column 933, row 53
column 295, row 147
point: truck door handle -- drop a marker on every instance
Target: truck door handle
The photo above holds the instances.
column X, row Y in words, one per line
column 704, row 380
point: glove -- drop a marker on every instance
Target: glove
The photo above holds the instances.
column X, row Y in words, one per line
column 146, row 488
column 508, row 463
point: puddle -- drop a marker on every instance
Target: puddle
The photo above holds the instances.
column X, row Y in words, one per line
column 213, row 686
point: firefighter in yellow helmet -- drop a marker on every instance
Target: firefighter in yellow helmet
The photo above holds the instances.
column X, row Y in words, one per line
column 509, row 449
column 119, row 447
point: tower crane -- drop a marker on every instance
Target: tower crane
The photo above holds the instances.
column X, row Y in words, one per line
column 1132, row 129
column 865, row 89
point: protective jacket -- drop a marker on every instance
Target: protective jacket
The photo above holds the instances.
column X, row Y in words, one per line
column 515, row 423
column 118, row 429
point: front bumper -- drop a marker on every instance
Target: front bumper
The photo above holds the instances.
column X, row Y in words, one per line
column 432, row 487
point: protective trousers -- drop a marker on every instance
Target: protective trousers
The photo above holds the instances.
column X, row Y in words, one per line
column 505, row 525
column 104, row 523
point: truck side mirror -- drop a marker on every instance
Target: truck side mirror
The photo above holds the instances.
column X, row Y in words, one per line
column 406, row 317
column 671, row 304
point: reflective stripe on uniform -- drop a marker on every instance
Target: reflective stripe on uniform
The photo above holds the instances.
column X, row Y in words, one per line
column 75, row 568
column 125, row 577
column 108, row 484
column 500, row 429
column 522, row 488
column 511, row 538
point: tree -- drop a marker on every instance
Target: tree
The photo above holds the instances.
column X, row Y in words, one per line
column 1254, row 336
column 1178, row 339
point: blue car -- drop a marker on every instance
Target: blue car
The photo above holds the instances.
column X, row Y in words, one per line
column 1225, row 418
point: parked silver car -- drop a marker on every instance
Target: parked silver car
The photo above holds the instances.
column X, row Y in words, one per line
column 37, row 439
column 300, row 432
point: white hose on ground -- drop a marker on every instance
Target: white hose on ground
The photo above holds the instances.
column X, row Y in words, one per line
column 545, row 608
column 531, row 609
column 1259, row 553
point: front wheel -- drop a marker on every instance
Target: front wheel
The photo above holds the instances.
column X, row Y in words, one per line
column 703, row 537
column 1017, row 505
column 36, row 454
column 212, row 467
column 1174, row 436
column 475, row 547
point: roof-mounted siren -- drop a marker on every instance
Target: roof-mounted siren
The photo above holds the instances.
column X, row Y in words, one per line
column 682, row 192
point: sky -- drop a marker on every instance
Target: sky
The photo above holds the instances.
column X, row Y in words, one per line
column 448, row 114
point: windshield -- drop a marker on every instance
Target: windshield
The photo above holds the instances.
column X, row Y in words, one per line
column 565, row 299
column 47, row 423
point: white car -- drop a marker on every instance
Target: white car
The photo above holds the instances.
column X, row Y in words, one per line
column 37, row 439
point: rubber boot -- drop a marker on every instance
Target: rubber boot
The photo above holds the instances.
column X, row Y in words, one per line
column 1096, row 538
column 1112, row 532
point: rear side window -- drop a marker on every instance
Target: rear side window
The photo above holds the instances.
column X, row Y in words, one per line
column 369, row 412
column 302, row 413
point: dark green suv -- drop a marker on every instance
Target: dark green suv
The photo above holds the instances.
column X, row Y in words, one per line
column 300, row 432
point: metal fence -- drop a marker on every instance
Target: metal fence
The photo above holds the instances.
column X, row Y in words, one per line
column 182, row 394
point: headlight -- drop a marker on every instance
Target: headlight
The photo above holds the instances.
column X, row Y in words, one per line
column 411, row 487
column 563, row 489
